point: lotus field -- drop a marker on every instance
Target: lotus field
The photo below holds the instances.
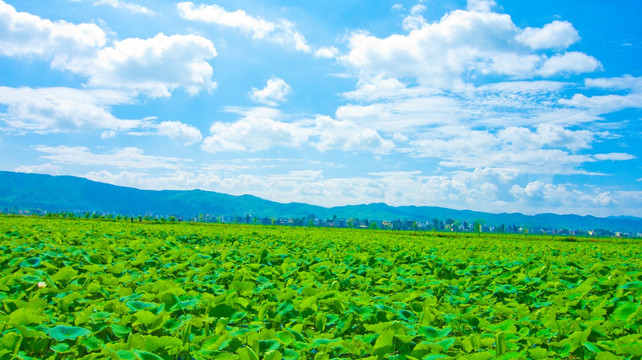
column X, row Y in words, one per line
column 86, row 289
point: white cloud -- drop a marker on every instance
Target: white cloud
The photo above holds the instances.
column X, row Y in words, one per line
column 179, row 131
column 397, row 7
column 417, row 9
column 604, row 104
column 275, row 91
column 626, row 82
column 347, row 136
column 155, row 66
column 39, row 169
column 124, row 158
column 480, row 5
column 127, row 6
column 258, row 27
column 564, row 196
column 326, row 52
column 464, row 47
column 376, row 88
column 24, row 34
column 614, row 156
column 548, row 149
column 107, row 134
column 413, row 22
column 405, row 115
column 281, row 32
column 254, row 132
column 569, row 63
column 558, row 34
column 47, row 110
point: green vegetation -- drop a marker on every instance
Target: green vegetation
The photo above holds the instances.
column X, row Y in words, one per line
column 82, row 288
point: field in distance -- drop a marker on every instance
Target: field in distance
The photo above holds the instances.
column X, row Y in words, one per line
column 85, row 289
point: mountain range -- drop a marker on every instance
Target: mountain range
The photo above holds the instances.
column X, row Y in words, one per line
column 67, row 193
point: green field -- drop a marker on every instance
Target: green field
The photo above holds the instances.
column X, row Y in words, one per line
column 73, row 289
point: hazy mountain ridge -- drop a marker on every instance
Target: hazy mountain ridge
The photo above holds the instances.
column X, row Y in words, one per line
column 68, row 193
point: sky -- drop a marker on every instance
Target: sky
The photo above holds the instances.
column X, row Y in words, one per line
column 497, row 106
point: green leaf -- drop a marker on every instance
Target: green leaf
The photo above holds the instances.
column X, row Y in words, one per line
column 11, row 342
column 120, row 331
column 446, row 343
column 632, row 285
column 139, row 305
column 268, row 345
column 145, row 317
column 408, row 316
column 606, row 355
column 309, row 303
column 624, row 310
column 60, row 347
column 222, row 310
column 246, row 353
column 92, row 343
column 126, row 355
column 144, row 355
column 501, row 345
column 236, row 317
column 152, row 343
column 538, row 353
column 31, row 262
column 434, row 356
column 272, row 355
column 66, row 273
column 31, row 279
column 25, row 316
column 592, row 347
column 63, row 332
column 384, row 343
column 285, row 337
column 171, row 301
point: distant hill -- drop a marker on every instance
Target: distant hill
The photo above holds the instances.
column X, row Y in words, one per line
column 68, row 193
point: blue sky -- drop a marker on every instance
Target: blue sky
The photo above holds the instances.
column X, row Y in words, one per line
column 505, row 106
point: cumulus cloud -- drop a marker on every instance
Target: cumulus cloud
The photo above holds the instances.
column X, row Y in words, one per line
column 614, row 156
column 562, row 195
column 464, row 46
column 254, row 132
column 49, row 110
column 569, row 63
column 281, row 31
column 24, row 34
column 275, row 91
column 155, row 66
column 547, row 149
column 604, row 104
column 179, row 131
column 127, row 6
column 626, row 82
column 343, row 135
column 558, row 34
column 326, row 52
column 124, row 158
column 480, row 5
column 39, row 169
column 417, row 9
